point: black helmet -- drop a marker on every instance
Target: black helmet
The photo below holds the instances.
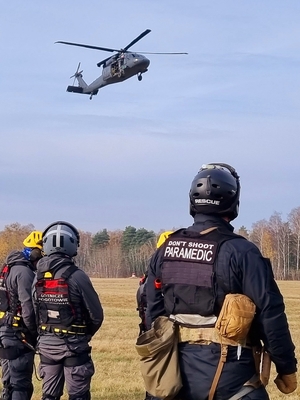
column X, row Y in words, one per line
column 215, row 190
column 61, row 237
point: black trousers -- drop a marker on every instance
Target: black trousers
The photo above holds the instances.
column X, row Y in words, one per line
column 198, row 364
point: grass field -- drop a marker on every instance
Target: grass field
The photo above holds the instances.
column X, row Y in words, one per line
column 117, row 373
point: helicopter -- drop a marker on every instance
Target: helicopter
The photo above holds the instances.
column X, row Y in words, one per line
column 117, row 68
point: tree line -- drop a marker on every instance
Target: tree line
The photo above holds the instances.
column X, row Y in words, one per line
column 117, row 254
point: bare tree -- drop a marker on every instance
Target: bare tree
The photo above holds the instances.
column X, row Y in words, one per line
column 280, row 234
column 258, row 234
column 294, row 221
column 11, row 238
column 84, row 250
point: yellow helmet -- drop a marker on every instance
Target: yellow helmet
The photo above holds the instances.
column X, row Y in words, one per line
column 163, row 237
column 34, row 239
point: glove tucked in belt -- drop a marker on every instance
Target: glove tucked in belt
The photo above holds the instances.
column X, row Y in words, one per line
column 286, row 383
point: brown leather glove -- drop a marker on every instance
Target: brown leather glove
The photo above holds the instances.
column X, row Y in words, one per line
column 286, row 383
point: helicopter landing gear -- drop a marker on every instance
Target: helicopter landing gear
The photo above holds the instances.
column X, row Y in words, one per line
column 93, row 93
column 140, row 76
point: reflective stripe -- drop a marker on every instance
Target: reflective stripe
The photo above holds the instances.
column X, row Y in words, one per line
column 76, row 329
column 193, row 320
column 16, row 319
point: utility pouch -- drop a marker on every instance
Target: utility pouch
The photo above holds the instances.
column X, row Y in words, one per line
column 236, row 317
column 158, row 351
column 257, row 355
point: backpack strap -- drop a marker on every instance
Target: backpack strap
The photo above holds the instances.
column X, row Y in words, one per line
column 66, row 274
column 69, row 271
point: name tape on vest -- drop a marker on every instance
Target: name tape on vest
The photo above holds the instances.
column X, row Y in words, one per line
column 194, row 250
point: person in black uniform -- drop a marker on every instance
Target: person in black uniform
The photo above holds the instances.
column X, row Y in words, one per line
column 68, row 313
column 18, row 331
column 141, row 300
column 198, row 266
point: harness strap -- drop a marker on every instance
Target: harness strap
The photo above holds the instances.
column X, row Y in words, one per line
column 72, row 330
column 72, row 361
column 222, row 361
column 13, row 352
column 79, row 359
column 9, row 353
column 49, row 361
column 249, row 386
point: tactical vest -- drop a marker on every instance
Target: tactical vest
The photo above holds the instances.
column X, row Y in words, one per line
column 10, row 306
column 188, row 271
column 57, row 311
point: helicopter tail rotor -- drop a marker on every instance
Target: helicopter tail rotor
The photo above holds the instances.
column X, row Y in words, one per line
column 77, row 74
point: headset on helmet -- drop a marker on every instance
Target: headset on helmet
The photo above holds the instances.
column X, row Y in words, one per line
column 215, row 190
column 61, row 237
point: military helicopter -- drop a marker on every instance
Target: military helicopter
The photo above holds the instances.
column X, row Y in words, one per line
column 117, row 68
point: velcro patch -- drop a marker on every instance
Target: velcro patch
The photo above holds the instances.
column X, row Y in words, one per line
column 203, row 251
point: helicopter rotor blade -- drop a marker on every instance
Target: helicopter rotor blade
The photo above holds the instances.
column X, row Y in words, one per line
column 77, row 73
column 89, row 46
column 147, row 52
column 137, row 39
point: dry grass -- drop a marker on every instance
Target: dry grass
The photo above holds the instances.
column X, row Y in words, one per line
column 117, row 367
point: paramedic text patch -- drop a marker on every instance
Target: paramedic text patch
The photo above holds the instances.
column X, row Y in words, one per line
column 203, row 251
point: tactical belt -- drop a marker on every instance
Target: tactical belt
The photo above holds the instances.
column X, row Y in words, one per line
column 206, row 336
column 73, row 330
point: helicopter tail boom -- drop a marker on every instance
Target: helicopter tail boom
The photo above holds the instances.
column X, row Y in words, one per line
column 75, row 89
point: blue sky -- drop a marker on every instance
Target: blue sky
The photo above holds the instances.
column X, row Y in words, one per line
column 128, row 156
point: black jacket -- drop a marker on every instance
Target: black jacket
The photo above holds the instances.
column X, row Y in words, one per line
column 240, row 268
column 19, row 281
column 80, row 287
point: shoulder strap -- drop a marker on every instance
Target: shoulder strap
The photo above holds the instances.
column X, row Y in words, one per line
column 69, row 271
column 215, row 233
column 208, row 230
column 66, row 274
